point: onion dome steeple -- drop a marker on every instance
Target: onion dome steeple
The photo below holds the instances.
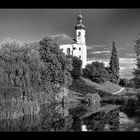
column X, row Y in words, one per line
column 79, row 24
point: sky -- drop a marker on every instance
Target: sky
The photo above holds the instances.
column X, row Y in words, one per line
column 102, row 27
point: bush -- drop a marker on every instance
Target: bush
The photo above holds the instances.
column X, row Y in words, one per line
column 127, row 83
column 77, row 67
column 57, row 65
column 96, row 72
column 123, row 82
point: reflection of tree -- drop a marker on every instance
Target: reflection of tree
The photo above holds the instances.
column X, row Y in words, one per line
column 76, row 125
column 64, row 124
column 29, row 123
column 50, row 118
column 97, row 121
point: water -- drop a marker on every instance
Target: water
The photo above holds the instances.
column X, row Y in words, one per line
column 69, row 118
column 125, row 122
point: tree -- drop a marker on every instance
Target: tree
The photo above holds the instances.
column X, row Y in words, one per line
column 136, row 72
column 20, row 68
column 114, row 65
column 123, row 82
column 96, row 72
column 77, row 67
column 57, row 65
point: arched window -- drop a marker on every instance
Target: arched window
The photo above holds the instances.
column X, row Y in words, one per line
column 79, row 56
column 79, row 33
column 68, row 51
column 80, row 49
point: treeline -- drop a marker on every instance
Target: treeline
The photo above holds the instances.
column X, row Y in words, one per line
column 97, row 72
column 32, row 74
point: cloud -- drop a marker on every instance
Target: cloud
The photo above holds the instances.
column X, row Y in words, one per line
column 89, row 47
column 99, row 46
column 127, row 60
column 99, row 52
column 120, row 48
column 131, row 54
column 105, row 61
column 127, row 66
column 96, row 46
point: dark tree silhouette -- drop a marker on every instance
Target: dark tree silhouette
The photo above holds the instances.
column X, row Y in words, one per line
column 114, row 65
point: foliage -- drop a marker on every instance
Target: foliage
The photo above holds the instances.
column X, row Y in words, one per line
column 93, row 99
column 57, row 65
column 126, row 82
column 33, row 72
column 130, row 106
column 136, row 72
column 50, row 118
column 77, row 67
column 80, row 86
column 123, row 82
column 114, row 65
column 96, row 72
column 20, row 69
column 99, row 120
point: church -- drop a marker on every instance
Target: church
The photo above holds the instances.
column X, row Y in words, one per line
column 76, row 47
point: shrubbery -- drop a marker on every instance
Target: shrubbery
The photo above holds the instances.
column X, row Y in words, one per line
column 96, row 72
column 127, row 83
column 77, row 67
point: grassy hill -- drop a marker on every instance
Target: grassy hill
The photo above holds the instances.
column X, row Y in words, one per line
column 82, row 86
column 106, row 87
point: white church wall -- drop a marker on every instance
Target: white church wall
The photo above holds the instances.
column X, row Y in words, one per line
column 65, row 48
column 77, row 50
column 81, row 38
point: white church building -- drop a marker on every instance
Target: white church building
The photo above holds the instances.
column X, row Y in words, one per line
column 76, row 47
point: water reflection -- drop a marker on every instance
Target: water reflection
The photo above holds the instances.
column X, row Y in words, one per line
column 50, row 118
column 67, row 118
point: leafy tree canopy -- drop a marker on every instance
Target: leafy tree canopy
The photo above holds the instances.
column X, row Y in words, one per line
column 96, row 72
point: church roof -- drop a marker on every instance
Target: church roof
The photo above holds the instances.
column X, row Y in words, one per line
column 63, row 39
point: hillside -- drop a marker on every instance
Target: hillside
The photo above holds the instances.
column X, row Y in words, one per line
column 106, row 87
column 82, row 86
column 79, row 89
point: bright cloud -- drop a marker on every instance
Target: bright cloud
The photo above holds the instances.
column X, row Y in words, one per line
column 105, row 61
column 96, row 46
column 99, row 52
column 131, row 54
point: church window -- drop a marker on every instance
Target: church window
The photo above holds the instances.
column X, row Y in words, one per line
column 79, row 33
column 68, row 51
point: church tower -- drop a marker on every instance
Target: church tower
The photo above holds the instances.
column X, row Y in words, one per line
column 80, row 31
column 81, row 40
